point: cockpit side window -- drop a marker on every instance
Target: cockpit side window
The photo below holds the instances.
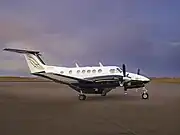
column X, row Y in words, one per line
column 112, row 70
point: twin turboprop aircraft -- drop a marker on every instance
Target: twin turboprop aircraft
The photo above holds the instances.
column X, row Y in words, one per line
column 86, row 80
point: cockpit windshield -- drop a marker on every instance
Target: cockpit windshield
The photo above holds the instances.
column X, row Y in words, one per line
column 120, row 70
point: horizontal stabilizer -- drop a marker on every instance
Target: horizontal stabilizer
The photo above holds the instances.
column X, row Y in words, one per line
column 21, row 51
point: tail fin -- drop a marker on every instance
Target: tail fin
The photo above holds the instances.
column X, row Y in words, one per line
column 35, row 63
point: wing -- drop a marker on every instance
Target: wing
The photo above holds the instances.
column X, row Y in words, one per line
column 108, row 78
column 78, row 84
column 59, row 78
column 68, row 79
column 100, row 82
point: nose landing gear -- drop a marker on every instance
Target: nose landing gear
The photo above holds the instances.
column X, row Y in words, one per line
column 145, row 94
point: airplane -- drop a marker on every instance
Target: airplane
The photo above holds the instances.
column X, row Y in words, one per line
column 85, row 80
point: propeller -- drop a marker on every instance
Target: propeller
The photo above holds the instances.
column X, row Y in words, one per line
column 124, row 70
column 125, row 76
column 138, row 71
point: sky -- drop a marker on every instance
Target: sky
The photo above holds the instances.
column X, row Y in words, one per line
column 142, row 34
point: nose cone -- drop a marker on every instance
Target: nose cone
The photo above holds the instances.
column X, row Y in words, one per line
column 145, row 79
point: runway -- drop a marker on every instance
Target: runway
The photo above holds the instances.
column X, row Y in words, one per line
column 53, row 109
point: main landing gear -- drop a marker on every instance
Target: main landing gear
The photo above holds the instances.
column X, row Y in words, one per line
column 104, row 93
column 82, row 96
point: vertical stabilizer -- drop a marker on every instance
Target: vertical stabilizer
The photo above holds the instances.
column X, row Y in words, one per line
column 35, row 63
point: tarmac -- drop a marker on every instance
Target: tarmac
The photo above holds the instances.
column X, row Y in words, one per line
column 47, row 108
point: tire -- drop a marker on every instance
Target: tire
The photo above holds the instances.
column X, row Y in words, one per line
column 103, row 94
column 82, row 97
column 145, row 96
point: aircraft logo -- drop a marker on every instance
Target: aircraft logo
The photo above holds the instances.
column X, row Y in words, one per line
column 34, row 62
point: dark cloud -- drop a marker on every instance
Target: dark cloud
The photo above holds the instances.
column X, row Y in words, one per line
column 140, row 34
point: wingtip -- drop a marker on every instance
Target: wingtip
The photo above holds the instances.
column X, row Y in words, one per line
column 5, row 49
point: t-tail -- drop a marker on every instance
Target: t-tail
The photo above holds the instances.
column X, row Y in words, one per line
column 35, row 63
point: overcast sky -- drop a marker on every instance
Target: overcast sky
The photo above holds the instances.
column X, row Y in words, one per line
column 142, row 34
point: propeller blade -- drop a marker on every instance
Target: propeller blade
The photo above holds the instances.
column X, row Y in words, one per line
column 138, row 71
column 125, row 77
column 124, row 70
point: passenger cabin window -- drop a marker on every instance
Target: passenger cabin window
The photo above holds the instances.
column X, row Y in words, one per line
column 100, row 70
column 70, row 72
column 61, row 72
column 112, row 70
column 94, row 71
column 78, row 71
column 89, row 71
column 83, row 71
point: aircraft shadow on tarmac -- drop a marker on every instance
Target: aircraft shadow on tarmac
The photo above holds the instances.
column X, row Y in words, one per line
column 114, row 97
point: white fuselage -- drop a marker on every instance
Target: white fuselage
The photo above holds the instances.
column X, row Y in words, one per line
column 90, row 80
column 89, row 72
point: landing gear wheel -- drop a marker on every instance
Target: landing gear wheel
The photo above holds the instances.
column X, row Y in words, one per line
column 103, row 94
column 125, row 91
column 145, row 95
column 82, row 97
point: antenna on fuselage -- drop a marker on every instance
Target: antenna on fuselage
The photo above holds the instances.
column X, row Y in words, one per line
column 76, row 65
column 100, row 64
